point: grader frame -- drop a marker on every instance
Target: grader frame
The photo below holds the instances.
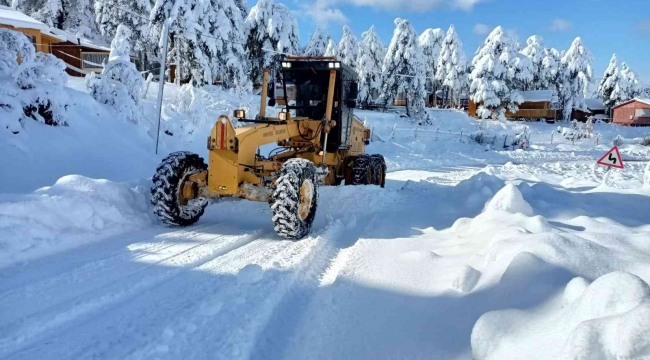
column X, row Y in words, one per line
column 235, row 169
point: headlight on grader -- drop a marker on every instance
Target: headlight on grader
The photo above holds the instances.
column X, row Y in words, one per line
column 239, row 114
column 284, row 116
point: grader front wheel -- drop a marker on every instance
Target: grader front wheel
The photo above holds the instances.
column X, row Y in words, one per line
column 295, row 199
column 168, row 193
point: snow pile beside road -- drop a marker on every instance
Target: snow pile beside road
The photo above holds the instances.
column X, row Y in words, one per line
column 73, row 211
column 607, row 319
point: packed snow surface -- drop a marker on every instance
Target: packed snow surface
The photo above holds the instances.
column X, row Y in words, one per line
column 470, row 252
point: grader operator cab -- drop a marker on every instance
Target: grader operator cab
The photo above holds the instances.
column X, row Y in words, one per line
column 319, row 139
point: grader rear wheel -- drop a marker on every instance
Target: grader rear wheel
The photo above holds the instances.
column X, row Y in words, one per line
column 361, row 170
column 170, row 196
column 295, row 199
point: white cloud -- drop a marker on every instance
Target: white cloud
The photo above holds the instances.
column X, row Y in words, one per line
column 559, row 25
column 323, row 13
column 481, row 29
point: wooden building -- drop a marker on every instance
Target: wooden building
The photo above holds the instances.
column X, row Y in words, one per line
column 536, row 105
column 635, row 112
column 37, row 32
column 82, row 55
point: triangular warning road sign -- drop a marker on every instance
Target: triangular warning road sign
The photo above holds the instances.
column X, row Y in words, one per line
column 612, row 158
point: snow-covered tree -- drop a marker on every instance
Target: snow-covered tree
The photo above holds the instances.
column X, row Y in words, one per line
column 403, row 68
column 133, row 14
column 332, row 49
column 270, row 29
column 32, row 88
column 317, row 43
column 348, row 47
column 451, row 68
column 369, row 63
column 493, row 76
column 608, row 83
column 206, row 38
column 619, row 89
column 75, row 16
column 120, row 83
column 632, row 83
column 535, row 51
column 576, row 77
column 241, row 4
column 430, row 42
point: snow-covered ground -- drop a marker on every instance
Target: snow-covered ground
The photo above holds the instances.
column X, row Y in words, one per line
column 468, row 253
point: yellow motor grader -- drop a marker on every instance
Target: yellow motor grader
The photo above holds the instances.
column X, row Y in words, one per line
column 319, row 140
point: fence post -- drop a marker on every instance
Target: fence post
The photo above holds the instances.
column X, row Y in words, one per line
column 553, row 133
column 438, row 129
column 505, row 138
column 573, row 139
column 461, row 135
column 392, row 134
column 597, row 136
column 416, row 133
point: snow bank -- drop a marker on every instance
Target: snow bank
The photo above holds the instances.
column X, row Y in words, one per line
column 509, row 199
column 605, row 320
column 73, row 211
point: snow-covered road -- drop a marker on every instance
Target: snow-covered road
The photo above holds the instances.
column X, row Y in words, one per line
column 462, row 252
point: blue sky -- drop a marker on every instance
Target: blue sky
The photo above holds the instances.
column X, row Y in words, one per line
column 605, row 26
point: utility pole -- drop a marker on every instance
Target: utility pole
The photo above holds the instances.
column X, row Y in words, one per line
column 161, row 77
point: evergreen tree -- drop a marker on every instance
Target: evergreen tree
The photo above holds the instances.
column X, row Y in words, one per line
column 241, row 4
column 133, row 14
column 431, row 43
column 271, row 31
column 332, row 49
column 75, row 16
column 632, row 83
column 534, row 50
column 493, row 76
column 576, row 77
column 371, row 56
column 348, row 48
column 619, row 89
column 451, row 67
column 550, row 75
column 403, row 68
column 317, row 43
column 608, row 83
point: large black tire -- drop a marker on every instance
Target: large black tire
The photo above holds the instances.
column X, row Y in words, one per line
column 167, row 181
column 361, row 170
column 378, row 165
column 293, row 212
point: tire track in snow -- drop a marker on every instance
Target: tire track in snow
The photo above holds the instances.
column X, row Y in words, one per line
column 323, row 265
column 25, row 331
column 95, row 274
column 29, row 279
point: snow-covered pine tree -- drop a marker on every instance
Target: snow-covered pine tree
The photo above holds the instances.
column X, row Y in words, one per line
column 317, row 43
column 133, row 14
column 632, row 83
column 608, row 83
column 50, row 12
column 230, row 59
column 576, row 77
column 534, row 50
column 430, row 42
column 451, row 66
column 403, row 68
column 371, row 57
column 493, row 75
column 209, row 35
column 619, row 89
column 121, row 83
column 332, row 49
column 348, row 48
column 241, row 4
column 269, row 26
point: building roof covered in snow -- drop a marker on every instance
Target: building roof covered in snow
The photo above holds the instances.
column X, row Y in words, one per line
column 537, row 95
column 15, row 18
column 641, row 100
column 78, row 39
column 595, row 104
